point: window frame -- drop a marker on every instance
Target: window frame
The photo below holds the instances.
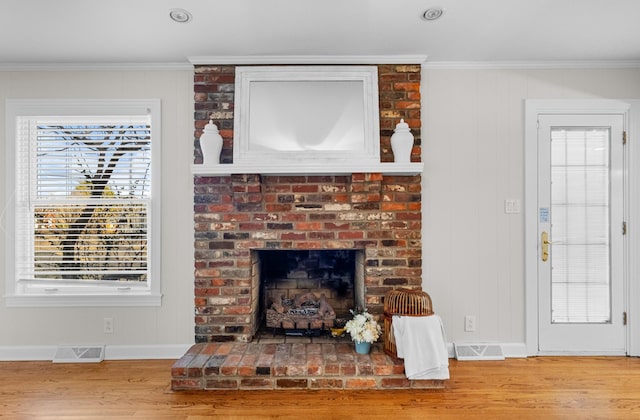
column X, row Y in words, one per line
column 30, row 294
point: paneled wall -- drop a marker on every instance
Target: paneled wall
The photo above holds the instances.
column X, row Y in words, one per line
column 164, row 331
column 473, row 134
column 473, row 151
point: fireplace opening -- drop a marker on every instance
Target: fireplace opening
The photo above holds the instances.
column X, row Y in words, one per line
column 307, row 292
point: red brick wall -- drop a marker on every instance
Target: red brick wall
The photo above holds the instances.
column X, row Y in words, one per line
column 235, row 214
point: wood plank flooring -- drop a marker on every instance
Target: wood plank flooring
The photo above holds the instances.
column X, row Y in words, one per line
column 535, row 388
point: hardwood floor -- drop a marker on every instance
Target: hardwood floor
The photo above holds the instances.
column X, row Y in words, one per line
column 541, row 388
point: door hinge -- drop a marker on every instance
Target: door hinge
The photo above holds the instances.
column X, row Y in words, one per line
column 624, row 228
column 624, row 318
column 624, row 137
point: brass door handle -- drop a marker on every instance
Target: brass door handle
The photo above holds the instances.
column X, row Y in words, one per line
column 544, row 239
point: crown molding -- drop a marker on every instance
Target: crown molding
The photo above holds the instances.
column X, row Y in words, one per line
column 6, row 67
column 307, row 59
column 320, row 59
column 497, row 65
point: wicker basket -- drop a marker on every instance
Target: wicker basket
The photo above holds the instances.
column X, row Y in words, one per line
column 403, row 302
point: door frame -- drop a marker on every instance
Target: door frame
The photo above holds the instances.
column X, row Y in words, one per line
column 631, row 290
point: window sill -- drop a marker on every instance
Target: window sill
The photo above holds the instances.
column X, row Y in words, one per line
column 42, row 300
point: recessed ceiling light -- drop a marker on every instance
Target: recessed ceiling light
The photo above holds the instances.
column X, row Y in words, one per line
column 180, row 15
column 433, row 13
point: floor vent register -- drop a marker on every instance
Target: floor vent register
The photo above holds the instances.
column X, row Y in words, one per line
column 79, row 354
column 478, row 352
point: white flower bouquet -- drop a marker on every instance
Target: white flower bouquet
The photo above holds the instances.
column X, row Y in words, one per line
column 363, row 328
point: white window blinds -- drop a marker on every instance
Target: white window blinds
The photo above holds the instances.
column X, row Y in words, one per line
column 581, row 284
column 83, row 199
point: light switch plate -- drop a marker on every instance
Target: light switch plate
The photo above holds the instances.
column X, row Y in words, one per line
column 512, row 206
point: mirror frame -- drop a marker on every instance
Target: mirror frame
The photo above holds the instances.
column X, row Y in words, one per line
column 247, row 75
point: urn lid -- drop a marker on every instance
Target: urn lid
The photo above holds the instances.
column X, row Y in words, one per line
column 210, row 128
column 402, row 126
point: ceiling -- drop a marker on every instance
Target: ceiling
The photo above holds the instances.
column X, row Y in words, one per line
column 36, row 32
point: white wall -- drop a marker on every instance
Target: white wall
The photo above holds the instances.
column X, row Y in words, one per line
column 473, row 137
column 473, row 133
column 164, row 331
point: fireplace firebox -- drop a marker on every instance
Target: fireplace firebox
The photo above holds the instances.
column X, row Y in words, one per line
column 307, row 292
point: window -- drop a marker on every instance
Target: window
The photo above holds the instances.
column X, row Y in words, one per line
column 85, row 184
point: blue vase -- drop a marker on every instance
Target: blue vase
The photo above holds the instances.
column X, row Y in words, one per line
column 363, row 348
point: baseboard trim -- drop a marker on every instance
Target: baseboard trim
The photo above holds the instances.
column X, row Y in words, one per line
column 112, row 352
column 146, row 352
column 172, row 351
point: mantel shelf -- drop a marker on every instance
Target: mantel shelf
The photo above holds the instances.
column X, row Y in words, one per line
column 289, row 168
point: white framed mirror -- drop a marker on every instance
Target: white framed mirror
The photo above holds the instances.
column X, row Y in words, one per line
column 306, row 114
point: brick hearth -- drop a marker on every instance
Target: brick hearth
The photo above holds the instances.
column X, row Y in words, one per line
column 291, row 362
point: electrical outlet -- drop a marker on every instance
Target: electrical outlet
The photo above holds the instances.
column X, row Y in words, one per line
column 470, row 323
column 108, row 325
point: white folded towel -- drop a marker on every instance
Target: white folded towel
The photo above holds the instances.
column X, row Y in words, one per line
column 421, row 342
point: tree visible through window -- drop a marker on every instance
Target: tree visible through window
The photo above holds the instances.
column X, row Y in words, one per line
column 90, row 195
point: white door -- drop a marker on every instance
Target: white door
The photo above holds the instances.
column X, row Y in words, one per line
column 581, row 234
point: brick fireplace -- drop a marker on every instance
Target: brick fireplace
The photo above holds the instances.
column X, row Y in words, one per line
column 241, row 218
column 375, row 214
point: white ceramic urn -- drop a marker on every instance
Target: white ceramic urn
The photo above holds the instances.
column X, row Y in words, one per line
column 211, row 144
column 402, row 142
